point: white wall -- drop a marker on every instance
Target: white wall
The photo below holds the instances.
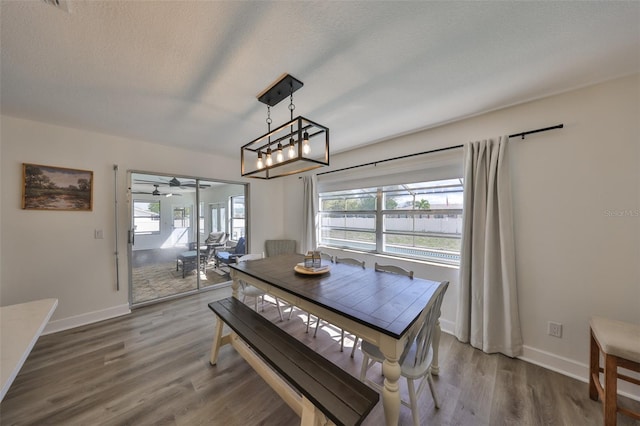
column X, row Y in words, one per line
column 577, row 211
column 54, row 253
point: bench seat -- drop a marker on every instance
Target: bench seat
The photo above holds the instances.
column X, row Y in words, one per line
column 619, row 343
column 338, row 395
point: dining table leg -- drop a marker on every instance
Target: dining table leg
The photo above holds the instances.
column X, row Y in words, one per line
column 391, row 391
column 235, row 285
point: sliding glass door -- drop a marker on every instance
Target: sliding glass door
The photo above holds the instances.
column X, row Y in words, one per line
column 178, row 226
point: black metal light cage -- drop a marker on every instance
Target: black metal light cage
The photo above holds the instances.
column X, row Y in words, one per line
column 301, row 162
column 291, row 137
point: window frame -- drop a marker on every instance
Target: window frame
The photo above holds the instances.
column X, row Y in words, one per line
column 157, row 217
column 436, row 255
column 233, row 217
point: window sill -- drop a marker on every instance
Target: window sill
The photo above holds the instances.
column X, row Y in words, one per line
column 394, row 258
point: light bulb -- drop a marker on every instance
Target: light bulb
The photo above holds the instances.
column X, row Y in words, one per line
column 305, row 143
column 292, row 151
column 260, row 164
column 279, row 156
column 269, row 159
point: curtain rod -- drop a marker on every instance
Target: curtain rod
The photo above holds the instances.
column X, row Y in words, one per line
column 373, row 163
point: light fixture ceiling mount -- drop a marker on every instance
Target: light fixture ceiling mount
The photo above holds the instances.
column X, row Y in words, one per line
column 306, row 142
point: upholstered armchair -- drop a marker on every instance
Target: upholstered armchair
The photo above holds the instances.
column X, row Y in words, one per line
column 231, row 256
column 215, row 241
column 278, row 247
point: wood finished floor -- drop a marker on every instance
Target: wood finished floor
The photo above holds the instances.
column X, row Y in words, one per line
column 151, row 368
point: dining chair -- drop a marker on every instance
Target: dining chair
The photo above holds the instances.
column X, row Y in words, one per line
column 392, row 269
column 251, row 291
column 348, row 261
column 415, row 361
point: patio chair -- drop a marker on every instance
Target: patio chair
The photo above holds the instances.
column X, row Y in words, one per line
column 232, row 256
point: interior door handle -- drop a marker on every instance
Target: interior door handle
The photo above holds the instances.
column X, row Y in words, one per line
column 132, row 237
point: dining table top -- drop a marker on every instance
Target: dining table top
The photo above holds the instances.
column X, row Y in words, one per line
column 388, row 303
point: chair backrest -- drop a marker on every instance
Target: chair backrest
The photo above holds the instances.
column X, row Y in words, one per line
column 326, row 256
column 394, row 270
column 240, row 248
column 278, row 247
column 250, row 256
column 421, row 337
column 216, row 238
column 349, row 261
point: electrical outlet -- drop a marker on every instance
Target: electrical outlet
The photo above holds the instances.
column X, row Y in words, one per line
column 555, row 329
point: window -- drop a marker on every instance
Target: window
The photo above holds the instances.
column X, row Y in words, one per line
column 182, row 216
column 218, row 217
column 416, row 220
column 146, row 217
column 237, row 217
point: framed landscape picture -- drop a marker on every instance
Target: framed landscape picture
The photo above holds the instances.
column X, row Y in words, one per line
column 56, row 188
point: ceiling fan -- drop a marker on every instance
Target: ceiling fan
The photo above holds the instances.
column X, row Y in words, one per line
column 175, row 182
column 157, row 193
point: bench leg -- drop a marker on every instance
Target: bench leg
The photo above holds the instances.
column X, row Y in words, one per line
column 610, row 390
column 311, row 416
column 217, row 341
column 594, row 367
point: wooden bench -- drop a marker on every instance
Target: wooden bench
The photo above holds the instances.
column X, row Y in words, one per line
column 619, row 343
column 327, row 394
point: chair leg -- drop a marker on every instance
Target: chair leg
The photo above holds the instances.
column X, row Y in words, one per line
column 308, row 321
column 341, row 340
column 432, row 387
column 279, row 311
column 317, row 326
column 413, row 402
column 355, row 345
column 365, row 366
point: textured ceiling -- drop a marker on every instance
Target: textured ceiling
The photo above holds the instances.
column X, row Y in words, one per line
column 186, row 74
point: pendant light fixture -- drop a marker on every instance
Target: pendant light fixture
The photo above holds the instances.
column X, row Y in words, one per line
column 306, row 143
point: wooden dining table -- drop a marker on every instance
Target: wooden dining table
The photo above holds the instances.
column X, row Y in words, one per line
column 381, row 308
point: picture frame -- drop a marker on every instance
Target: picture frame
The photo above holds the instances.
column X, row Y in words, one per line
column 56, row 188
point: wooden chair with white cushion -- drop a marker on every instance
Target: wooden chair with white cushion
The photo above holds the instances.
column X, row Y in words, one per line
column 619, row 343
column 415, row 361
column 251, row 291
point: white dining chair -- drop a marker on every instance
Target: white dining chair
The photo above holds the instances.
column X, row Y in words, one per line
column 254, row 292
column 349, row 261
column 415, row 361
column 393, row 270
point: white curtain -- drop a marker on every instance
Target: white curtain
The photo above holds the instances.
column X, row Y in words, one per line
column 309, row 212
column 487, row 300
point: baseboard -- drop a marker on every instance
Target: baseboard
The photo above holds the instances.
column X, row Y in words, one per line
column 571, row 368
column 559, row 364
column 447, row 326
column 84, row 319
